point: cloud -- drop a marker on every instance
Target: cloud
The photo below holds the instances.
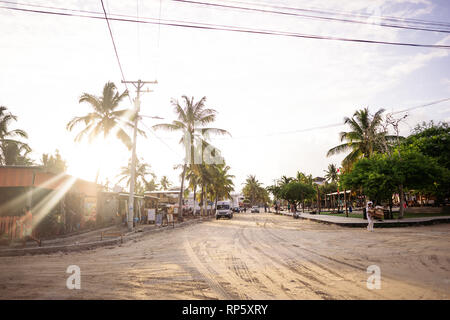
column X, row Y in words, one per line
column 413, row 63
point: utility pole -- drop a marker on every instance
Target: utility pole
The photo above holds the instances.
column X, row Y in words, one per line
column 137, row 105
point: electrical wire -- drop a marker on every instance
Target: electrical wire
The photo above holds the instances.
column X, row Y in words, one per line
column 193, row 25
column 113, row 42
column 153, row 132
column 308, row 16
column 422, row 106
column 346, row 13
column 330, row 125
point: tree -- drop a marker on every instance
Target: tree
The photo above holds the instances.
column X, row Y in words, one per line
column 151, row 185
column 365, row 137
column 295, row 192
column 381, row 175
column 142, row 171
column 191, row 121
column 105, row 117
column 12, row 151
column 254, row 191
column 165, row 183
column 54, row 163
column 222, row 182
column 331, row 174
column 432, row 140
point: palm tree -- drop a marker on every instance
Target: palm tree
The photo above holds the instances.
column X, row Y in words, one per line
column 192, row 118
column 142, row 171
column 221, row 182
column 151, row 185
column 54, row 163
column 365, row 137
column 253, row 190
column 15, row 153
column 331, row 174
column 105, row 117
column 11, row 149
column 192, row 175
column 165, row 183
column 303, row 178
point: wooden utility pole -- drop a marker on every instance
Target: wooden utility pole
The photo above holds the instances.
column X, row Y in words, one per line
column 137, row 105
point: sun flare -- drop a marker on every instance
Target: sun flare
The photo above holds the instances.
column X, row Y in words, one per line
column 104, row 156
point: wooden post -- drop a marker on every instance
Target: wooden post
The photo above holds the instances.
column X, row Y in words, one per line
column 345, row 202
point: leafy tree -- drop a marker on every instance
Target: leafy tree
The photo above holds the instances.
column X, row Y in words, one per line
column 54, row 163
column 296, row 192
column 432, row 140
column 381, row 175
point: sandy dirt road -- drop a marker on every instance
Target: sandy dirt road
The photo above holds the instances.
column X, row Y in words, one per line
column 252, row 256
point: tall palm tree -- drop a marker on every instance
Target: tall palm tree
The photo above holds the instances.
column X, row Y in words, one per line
column 192, row 175
column 105, row 117
column 165, row 183
column 11, row 149
column 331, row 173
column 142, row 171
column 191, row 121
column 365, row 137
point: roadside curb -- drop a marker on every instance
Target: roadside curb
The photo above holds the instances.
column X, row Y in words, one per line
column 95, row 244
column 381, row 225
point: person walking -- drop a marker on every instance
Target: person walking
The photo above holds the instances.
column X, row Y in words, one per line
column 27, row 227
column 369, row 213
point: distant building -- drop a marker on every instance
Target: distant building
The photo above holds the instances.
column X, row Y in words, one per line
column 319, row 180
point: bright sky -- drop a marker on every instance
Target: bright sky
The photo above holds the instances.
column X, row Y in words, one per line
column 259, row 84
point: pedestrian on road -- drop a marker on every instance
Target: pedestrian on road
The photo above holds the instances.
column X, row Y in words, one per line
column 27, row 227
column 369, row 213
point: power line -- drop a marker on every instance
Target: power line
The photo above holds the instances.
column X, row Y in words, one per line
column 308, row 16
column 422, row 106
column 194, row 25
column 345, row 13
column 113, row 42
column 330, row 125
column 115, row 50
column 153, row 132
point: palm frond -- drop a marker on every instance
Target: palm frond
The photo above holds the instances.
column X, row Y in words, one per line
column 338, row 149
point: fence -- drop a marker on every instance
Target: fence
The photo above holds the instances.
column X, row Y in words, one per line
column 11, row 228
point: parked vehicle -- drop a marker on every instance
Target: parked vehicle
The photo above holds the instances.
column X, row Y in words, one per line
column 255, row 209
column 224, row 209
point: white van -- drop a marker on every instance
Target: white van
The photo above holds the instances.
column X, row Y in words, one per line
column 224, row 209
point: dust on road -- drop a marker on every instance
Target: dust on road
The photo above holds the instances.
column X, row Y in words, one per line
column 252, row 256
